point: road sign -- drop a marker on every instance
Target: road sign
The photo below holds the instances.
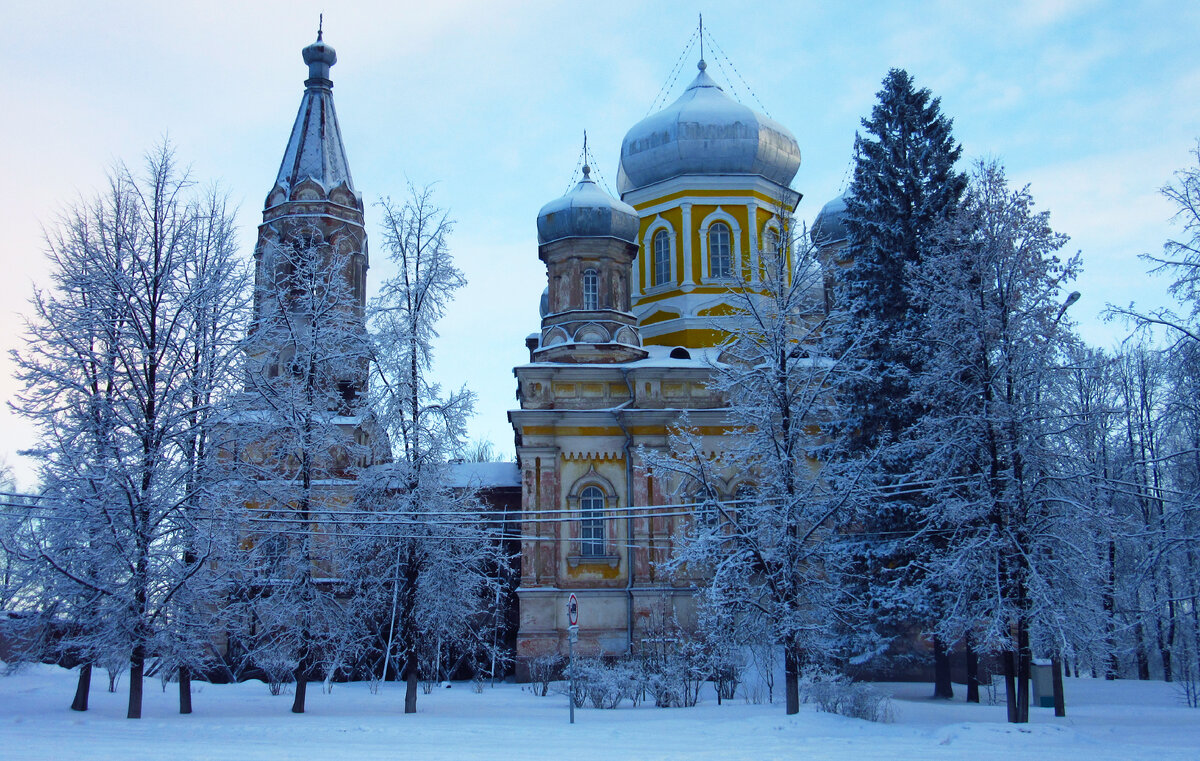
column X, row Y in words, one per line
column 572, row 610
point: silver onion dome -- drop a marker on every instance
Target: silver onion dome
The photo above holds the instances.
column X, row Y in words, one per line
column 706, row 132
column 830, row 224
column 587, row 212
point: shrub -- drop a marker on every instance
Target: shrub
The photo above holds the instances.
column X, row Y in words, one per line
column 837, row 694
column 543, row 670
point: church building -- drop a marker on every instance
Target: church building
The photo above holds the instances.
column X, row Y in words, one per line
column 631, row 324
column 630, row 329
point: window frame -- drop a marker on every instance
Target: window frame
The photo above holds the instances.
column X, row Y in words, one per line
column 725, row 256
column 660, row 265
column 592, row 537
column 591, row 289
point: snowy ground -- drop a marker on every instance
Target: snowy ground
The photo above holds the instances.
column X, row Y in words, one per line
column 1113, row 720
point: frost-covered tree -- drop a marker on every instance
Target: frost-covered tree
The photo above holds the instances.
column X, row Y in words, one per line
column 1159, row 442
column 1180, row 259
column 770, row 558
column 435, row 559
column 108, row 377
column 1004, row 549
column 295, row 441
column 905, row 187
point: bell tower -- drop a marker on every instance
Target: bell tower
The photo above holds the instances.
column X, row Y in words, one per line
column 312, row 222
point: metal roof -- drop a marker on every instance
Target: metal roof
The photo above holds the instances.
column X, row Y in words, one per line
column 706, row 132
column 830, row 224
column 315, row 150
column 587, row 212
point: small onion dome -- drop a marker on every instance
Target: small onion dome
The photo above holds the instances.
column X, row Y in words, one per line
column 587, row 212
column 830, row 225
column 544, row 303
column 706, row 132
column 319, row 56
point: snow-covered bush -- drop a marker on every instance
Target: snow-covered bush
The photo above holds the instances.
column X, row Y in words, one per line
column 607, row 683
column 278, row 669
column 675, row 678
column 543, row 670
column 833, row 693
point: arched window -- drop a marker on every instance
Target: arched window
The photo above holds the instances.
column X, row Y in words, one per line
column 662, row 258
column 591, row 528
column 591, row 289
column 772, row 241
column 720, row 261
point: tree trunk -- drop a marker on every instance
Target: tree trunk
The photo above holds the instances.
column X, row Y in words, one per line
column 1111, row 666
column 301, row 688
column 942, row 686
column 1060, row 703
column 1143, row 658
column 185, row 690
column 791, row 676
column 410, row 679
column 80, row 703
column 1010, row 685
column 972, row 672
column 1024, row 662
column 137, row 666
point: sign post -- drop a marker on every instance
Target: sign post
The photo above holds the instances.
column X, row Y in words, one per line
column 572, row 638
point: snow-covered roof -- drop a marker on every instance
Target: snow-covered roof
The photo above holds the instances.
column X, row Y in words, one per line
column 660, row 356
column 484, row 475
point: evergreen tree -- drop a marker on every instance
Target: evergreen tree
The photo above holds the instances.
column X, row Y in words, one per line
column 905, row 188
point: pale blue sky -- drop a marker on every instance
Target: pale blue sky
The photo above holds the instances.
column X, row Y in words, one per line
column 1093, row 103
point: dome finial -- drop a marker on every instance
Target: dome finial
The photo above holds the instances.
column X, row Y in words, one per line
column 319, row 56
column 702, row 65
column 587, row 170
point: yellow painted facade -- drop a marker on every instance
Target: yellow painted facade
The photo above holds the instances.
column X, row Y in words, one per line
column 597, row 523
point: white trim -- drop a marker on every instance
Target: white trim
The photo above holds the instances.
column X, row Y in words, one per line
column 752, row 220
column 648, row 246
column 688, row 277
column 740, row 183
column 771, row 224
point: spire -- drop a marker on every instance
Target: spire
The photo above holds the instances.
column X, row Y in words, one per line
column 315, row 150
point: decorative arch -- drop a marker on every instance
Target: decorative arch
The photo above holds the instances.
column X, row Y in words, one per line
column 592, row 333
column 769, row 228
column 627, row 336
column 735, row 244
column 555, row 335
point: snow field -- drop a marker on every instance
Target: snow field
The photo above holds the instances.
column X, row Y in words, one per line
column 1106, row 720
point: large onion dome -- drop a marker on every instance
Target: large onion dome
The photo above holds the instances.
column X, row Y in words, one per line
column 830, row 225
column 706, row 132
column 587, row 212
